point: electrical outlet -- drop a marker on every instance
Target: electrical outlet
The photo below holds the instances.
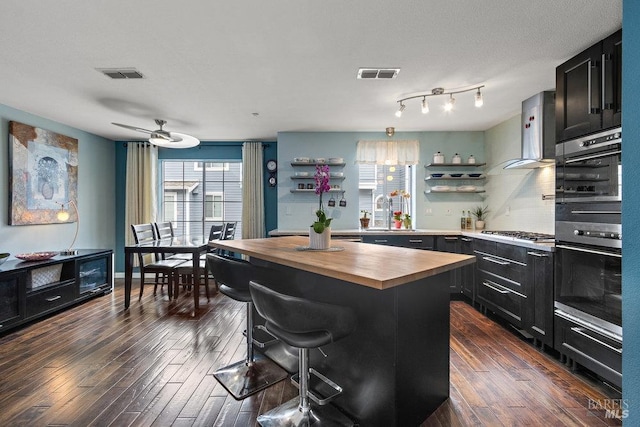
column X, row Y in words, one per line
column 287, row 210
column 448, row 212
column 508, row 211
column 428, row 211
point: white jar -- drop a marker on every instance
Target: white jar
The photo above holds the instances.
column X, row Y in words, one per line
column 438, row 157
column 471, row 159
column 456, row 159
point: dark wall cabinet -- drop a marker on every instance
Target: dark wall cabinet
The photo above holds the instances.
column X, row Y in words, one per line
column 30, row 290
column 589, row 90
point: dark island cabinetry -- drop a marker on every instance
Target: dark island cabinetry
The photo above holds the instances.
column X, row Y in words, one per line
column 30, row 290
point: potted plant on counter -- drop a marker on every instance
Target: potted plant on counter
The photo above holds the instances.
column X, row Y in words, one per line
column 320, row 230
column 364, row 220
column 480, row 213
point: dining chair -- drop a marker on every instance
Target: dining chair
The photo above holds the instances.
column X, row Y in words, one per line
column 164, row 230
column 228, row 233
column 163, row 269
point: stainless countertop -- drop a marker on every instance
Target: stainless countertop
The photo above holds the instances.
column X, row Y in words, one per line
column 546, row 246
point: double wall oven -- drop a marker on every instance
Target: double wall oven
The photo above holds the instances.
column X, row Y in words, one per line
column 588, row 282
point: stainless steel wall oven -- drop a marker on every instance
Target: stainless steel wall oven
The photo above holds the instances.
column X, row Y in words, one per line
column 588, row 259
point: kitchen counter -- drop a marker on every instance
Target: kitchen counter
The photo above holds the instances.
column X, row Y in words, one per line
column 394, row 367
column 355, row 233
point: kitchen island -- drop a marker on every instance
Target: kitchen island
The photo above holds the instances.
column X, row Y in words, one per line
column 394, row 368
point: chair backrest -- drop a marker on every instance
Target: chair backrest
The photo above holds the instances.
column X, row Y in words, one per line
column 299, row 317
column 216, row 232
column 233, row 275
column 229, row 230
column 143, row 232
column 164, row 229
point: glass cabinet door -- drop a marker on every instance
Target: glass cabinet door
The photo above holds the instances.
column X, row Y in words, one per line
column 94, row 274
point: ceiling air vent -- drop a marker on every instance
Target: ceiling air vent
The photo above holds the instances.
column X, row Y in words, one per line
column 378, row 73
column 121, row 73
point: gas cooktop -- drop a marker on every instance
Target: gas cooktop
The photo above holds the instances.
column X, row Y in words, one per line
column 522, row 235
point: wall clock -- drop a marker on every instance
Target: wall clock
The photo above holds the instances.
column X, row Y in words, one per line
column 272, row 165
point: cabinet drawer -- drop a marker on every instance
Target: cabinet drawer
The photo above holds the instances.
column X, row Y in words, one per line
column 593, row 350
column 47, row 299
column 417, row 242
column 510, row 270
column 500, row 299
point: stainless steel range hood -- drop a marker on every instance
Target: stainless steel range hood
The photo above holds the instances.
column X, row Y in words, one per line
column 537, row 132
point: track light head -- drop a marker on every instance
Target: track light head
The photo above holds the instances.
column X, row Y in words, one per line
column 448, row 106
column 400, row 110
column 479, row 101
column 425, row 105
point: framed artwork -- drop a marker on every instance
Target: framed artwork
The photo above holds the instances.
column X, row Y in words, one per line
column 43, row 174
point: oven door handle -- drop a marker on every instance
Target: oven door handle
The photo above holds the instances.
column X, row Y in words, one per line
column 593, row 156
column 596, row 212
column 589, row 251
column 580, row 331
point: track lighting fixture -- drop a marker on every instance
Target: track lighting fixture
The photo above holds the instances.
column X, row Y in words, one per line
column 448, row 106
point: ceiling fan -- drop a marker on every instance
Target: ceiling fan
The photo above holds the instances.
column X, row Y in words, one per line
column 163, row 138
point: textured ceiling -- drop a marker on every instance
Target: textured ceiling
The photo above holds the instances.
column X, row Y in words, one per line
column 209, row 65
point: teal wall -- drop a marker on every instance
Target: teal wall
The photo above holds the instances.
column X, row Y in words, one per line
column 206, row 150
column 96, row 193
column 296, row 211
column 630, row 206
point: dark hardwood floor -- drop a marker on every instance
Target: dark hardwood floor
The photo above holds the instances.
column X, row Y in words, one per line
column 99, row 365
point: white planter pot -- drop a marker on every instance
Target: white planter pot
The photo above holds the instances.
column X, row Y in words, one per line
column 320, row 241
column 479, row 225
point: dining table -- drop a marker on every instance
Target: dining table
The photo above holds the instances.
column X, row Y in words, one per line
column 194, row 245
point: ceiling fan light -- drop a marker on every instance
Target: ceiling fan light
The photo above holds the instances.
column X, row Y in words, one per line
column 185, row 141
column 479, row 101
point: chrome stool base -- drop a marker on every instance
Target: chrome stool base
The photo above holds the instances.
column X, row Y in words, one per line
column 242, row 380
column 288, row 414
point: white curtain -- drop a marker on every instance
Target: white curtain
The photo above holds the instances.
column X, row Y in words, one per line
column 141, row 186
column 388, row 152
column 252, row 191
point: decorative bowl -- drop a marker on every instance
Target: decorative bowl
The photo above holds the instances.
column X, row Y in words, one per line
column 474, row 175
column 455, row 175
column 321, row 160
column 436, row 175
column 301, row 174
column 336, row 160
column 4, row 257
column 301, row 160
column 36, row 256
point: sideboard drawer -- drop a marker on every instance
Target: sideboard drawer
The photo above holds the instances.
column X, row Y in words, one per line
column 50, row 298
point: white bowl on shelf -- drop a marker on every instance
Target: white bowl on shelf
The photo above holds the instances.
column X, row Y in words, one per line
column 336, row 174
column 301, row 160
column 440, row 188
column 321, row 160
column 301, row 174
column 336, row 160
column 466, row 188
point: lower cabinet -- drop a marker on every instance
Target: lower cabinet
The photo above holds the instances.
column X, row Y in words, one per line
column 29, row 290
column 467, row 273
column 402, row 240
column 451, row 244
column 540, row 306
column 595, row 350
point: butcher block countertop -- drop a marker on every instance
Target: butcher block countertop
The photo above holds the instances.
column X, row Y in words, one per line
column 374, row 266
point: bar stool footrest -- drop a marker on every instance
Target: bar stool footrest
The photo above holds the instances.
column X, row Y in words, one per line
column 321, row 389
column 263, row 338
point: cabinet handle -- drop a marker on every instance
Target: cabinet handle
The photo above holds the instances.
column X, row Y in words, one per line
column 53, row 298
column 380, row 241
column 495, row 261
column 589, row 251
column 465, row 239
column 594, row 108
column 96, row 290
column 415, row 240
column 538, row 254
column 580, row 331
column 450, row 238
column 502, row 291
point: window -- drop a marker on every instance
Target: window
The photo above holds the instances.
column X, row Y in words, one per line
column 213, row 206
column 196, row 197
column 211, row 166
column 376, row 182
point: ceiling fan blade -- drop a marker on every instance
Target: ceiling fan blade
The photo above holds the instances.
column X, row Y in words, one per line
column 137, row 129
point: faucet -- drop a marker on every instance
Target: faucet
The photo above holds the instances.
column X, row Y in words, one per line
column 390, row 215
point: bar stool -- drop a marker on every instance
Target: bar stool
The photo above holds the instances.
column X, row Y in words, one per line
column 256, row 372
column 304, row 324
